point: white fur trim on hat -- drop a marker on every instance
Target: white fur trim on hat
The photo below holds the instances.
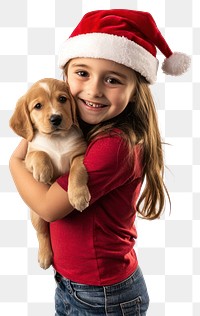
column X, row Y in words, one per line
column 111, row 47
column 176, row 64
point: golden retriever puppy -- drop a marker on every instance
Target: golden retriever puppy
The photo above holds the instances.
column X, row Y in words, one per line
column 46, row 117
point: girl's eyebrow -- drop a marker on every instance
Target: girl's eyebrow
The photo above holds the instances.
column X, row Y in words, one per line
column 111, row 72
column 80, row 65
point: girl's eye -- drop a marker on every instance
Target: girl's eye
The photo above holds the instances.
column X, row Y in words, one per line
column 82, row 73
column 112, row 81
column 38, row 106
column 62, row 99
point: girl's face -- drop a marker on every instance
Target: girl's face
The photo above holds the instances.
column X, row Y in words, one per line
column 102, row 88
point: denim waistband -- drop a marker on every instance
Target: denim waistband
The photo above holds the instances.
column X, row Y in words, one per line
column 118, row 286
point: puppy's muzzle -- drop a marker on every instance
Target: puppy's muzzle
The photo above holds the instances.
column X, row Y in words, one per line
column 55, row 120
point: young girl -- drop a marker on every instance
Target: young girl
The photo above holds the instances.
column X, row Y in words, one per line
column 108, row 61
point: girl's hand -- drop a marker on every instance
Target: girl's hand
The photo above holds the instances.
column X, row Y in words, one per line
column 21, row 150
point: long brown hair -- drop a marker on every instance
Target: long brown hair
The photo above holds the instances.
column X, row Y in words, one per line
column 152, row 200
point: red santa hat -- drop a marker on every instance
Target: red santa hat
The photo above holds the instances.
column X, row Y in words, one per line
column 125, row 36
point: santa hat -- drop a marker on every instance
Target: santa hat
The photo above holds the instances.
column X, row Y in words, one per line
column 125, row 36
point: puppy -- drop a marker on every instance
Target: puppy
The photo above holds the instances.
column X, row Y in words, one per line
column 46, row 117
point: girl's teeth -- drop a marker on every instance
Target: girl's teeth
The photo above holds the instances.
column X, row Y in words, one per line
column 93, row 105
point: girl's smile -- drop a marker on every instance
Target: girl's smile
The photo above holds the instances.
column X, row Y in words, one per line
column 93, row 105
column 102, row 88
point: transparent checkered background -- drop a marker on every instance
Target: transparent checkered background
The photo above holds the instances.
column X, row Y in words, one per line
column 31, row 32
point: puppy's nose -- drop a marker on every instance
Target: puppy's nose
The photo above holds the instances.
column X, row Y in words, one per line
column 55, row 119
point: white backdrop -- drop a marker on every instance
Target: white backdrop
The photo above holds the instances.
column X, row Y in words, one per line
column 31, row 32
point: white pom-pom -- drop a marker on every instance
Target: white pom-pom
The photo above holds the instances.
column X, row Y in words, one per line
column 176, row 64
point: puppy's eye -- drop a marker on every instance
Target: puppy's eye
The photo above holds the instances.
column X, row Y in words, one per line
column 38, row 106
column 62, row 99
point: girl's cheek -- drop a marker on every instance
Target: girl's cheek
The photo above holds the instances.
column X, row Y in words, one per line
column 72, row 89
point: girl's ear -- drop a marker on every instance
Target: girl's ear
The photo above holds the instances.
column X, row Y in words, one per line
column 20, row 121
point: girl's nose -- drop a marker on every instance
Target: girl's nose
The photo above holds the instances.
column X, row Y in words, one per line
column 95, row 89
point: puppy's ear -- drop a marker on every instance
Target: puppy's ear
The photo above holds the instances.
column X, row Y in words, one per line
column 73, row 111
column 20, row 121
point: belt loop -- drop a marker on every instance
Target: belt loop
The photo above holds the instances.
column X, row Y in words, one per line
column 69, row 286
column 105, row 299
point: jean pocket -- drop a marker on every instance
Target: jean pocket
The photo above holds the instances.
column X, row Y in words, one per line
column 87, row 299
column 131, row 308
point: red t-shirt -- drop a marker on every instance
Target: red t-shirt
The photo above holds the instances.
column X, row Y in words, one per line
column 95, row 247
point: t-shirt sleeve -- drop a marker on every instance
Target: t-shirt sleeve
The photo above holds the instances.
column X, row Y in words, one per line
column 106, row 161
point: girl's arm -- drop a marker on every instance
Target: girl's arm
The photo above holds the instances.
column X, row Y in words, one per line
column 49, row 202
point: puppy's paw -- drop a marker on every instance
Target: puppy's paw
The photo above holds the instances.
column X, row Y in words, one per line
column 43, row 173
column 40, row 164
column 45, row 259
column 79, row 198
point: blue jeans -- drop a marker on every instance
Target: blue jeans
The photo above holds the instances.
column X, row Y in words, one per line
column 127, row 298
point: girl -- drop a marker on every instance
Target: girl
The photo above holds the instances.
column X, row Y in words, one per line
column 108, row 61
